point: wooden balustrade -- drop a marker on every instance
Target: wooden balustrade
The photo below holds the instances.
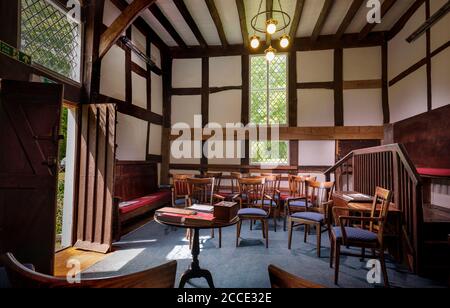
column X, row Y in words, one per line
column 389, row 167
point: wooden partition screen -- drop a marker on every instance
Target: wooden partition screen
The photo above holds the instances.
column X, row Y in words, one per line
column 94, row 217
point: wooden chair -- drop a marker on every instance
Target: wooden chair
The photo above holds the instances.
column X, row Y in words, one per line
column 21, row 277
column 180, row 190
column 201, row 191
column 281, row 279
column 317, row 214
column 272, row 190
column 371, row 238
column 217, row 176
column 251, row 198
column 298, row 191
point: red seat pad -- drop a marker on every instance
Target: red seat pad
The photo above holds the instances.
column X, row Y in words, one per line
column 159, row 197
column 434, row 172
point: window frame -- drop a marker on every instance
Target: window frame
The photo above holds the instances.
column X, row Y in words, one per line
column 59, row 5
column 254, row 163
column 267, row 102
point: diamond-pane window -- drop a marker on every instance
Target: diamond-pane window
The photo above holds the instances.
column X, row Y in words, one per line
column 51, row 38
column 269, row 152
column 268, row 106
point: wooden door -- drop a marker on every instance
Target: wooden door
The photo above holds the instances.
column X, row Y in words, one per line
column 29, row 127
column 94, row 217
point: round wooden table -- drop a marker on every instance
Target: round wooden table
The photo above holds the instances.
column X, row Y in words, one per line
column 195, row 271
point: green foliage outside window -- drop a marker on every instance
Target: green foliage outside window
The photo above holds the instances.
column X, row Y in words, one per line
column 268, row 105
column 50, row 38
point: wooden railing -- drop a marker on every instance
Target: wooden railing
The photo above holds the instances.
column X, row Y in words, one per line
column 389, row 167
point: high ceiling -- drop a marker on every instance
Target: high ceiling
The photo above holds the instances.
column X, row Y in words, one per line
column 349, row 16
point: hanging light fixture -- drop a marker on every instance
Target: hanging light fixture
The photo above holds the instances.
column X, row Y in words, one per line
column 270, row 53
column 271, row 27
column 255, row 41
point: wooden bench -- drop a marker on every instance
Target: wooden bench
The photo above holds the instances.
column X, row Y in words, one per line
column 136, row 192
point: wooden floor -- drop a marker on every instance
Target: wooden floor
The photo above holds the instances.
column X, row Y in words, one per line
column 86, row 259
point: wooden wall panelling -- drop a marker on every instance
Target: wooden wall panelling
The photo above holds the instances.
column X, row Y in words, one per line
column 385, row 83
column 338, row 87
column 96, row 178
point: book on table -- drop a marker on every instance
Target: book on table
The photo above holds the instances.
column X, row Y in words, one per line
column 202, row 208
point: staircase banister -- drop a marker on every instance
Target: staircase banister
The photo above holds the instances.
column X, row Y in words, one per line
column 339, row 163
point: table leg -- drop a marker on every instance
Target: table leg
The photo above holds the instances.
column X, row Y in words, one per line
column 195, row 271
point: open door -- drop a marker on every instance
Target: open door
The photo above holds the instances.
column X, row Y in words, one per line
column 94, row 217
column 29, row 128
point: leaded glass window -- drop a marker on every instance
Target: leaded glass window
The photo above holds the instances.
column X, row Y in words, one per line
column 51, row 37
column 268, row 106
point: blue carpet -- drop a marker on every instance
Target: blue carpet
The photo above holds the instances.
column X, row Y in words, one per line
column 243, row 267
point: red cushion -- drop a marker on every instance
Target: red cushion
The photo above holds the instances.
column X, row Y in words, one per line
column 159, row 197
column 434, row 172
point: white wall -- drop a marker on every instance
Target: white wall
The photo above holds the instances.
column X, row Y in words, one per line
column 132, row 133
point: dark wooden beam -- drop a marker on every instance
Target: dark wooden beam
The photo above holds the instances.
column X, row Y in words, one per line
column 354, row 8
column 243, row 21
column 385, row 7
column 159, row 15
column 400, row 24
column 428, row 56
column 217, row 21
column 205, row 102
column 296, row 19
column 338, row 87
column 125, row 19
column 293, row 107
column 315, row 85
column 191, row 22
column 245, row 107
column 324, row 42
column 326, row 9
column 9, row 22
column 385, row 84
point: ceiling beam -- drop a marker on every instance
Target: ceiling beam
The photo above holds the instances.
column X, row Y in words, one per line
column 354, row 8
column 125, row 19
column 243, row 21
column 159, row 15
column 326, row 9
column 385, row 7
column 297, row 17
column 191, row 22
column 400, row 24
column 216, row 18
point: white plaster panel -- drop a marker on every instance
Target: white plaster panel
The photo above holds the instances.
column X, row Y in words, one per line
column 363, row 107
column 185, row 107
column 362, row 63
column 402, row 54
column 408, row 97
column 317, row 153
column 440, row 77
column 112, row 80
column 225, row 71
column 139, row 39
column 315, row 108
column 139, row 90
column 155, row 55
column 315, row 66
column 187, row 73
column 225, row 107
column 131, row 136
column 157, row 94
column 155, row 139
column 192, row 160
column 440, row 32
column 110, row 13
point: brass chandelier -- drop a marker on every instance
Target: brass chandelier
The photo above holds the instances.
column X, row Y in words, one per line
column 271, row 27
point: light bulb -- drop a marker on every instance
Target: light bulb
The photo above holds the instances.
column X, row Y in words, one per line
column 254, row 41
column 272, row 26
column 284, row 42
column 270, row 54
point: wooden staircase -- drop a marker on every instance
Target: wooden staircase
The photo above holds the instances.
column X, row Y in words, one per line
column 425, row 240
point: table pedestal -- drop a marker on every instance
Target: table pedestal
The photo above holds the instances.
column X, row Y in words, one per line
column 195, row 271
